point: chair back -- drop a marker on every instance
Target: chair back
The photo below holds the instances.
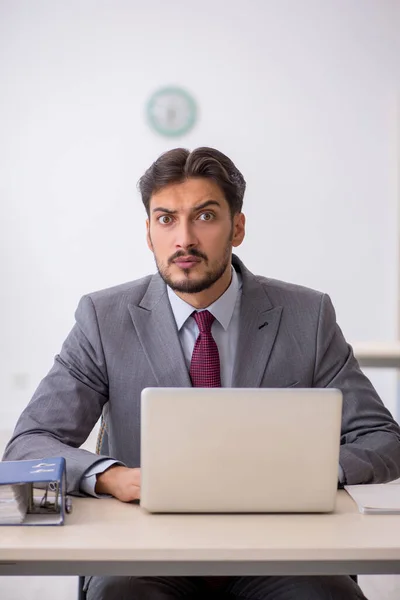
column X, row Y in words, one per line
column 101, row 448
column 102, row 439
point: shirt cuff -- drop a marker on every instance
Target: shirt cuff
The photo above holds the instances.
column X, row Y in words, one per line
column 89, row 479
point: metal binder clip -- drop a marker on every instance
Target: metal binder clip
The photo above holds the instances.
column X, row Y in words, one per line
column 68, row 505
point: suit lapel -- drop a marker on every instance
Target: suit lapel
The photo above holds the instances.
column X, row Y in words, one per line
column 258, row 328
column 156, row 328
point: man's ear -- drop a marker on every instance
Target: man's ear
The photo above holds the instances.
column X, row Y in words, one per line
column 239, row 229
column 148, row 238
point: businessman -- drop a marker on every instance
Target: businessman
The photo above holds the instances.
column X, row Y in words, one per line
column 197, row 322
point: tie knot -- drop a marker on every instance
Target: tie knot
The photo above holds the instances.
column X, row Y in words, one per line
column 204, row 320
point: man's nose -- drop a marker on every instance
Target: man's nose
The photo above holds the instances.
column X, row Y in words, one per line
column 185, row 237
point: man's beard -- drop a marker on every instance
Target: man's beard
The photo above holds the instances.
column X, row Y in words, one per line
column 186, row 286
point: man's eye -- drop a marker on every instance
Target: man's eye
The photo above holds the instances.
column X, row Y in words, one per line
column 206, row 216
column 165, row 219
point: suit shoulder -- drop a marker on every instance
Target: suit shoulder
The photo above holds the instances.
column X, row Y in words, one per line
column 289, row 291
column 129, row 292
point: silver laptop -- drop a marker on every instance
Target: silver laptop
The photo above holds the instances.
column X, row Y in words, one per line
column 240, row 450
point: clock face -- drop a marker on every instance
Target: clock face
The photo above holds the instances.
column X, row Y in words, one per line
column 171, row 111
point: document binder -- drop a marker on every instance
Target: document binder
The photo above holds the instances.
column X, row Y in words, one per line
column 33, row 492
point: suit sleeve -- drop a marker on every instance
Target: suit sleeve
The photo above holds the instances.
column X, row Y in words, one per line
column 67, row 403
column 370, row 437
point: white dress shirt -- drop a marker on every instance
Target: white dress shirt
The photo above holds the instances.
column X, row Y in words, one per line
column 225, row 328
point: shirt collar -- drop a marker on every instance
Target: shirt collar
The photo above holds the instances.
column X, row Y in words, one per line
column 222, row 309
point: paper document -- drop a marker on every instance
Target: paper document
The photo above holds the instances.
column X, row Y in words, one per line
column 377, row 498
column 14, row 500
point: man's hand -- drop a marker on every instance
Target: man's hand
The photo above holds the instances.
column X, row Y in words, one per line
column 121, row 482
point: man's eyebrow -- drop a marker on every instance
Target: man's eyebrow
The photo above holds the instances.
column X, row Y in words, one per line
column 164, row 210
column 205, row 204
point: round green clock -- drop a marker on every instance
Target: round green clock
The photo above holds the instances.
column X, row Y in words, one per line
column 171, row 111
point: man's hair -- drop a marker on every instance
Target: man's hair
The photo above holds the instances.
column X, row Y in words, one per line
column 179, row 164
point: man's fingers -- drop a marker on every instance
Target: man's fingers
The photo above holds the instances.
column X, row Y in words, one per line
column 121, row 482
column 130, row 494
column 135, row 491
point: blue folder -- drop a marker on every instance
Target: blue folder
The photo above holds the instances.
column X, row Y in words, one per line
column 37, row 487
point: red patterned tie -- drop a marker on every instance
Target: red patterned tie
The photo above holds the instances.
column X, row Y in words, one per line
column 205, row 366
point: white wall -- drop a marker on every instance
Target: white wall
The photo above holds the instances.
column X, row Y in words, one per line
column 302, row 95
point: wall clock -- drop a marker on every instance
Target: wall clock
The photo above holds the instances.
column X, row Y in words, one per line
column 171, row 111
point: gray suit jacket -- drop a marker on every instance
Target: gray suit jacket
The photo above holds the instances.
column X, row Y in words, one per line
column 125, row 339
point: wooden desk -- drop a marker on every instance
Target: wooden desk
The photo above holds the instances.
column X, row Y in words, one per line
column 108, row 537
column 378, row 354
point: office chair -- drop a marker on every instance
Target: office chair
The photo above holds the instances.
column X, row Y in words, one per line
column 101, row 448
column 81, row 591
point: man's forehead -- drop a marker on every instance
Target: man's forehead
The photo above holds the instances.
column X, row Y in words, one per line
column 188, row 194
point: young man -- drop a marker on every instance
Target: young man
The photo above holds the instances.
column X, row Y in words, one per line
column 256, row 332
